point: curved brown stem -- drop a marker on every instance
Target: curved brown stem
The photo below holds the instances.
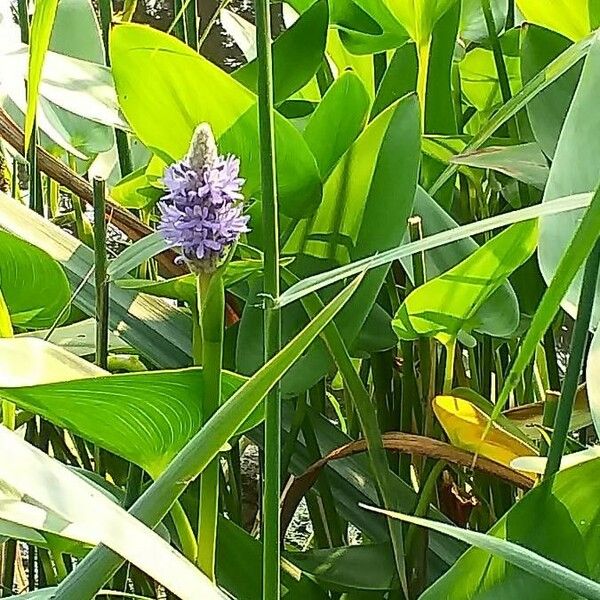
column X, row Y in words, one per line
column 397, row 442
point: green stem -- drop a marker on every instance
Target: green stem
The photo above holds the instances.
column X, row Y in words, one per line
column 211, row 307
column 9, row 555
column 272, row 319
column 151, row 507
column 187, row 539
column 569, row 389
column 450, row 347
column 100, row 265
column 368, row 422
column 423, row 55
column 191, row 24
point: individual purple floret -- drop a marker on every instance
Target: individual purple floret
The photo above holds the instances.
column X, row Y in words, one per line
column 201, row 213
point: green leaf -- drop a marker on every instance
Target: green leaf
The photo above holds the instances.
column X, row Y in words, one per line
column 184, row 287
column 34, row 286
column 79, row 338
column 548, row 110
column 366, row 26
column 419, row 17
column 353, row 220
column 160, row 332
column 162, row 81
column 579, row 144
column 530, row 90
column 202, row 449
column 337, row 121
column 364, row 567
column 577, row 252
column 144, row 417
column 297, row 54
column 444, row 306
column 135, row 191
column 326, row 278
column 479, row 76
column 499, row 314
column 41, row 30
column 523, row 162
column 136, row 254
column 83, row 43
column 570, row 18
column 569, row 507
column 239, row 560
column 399, row 79
column 472, row 22
column 47, row 482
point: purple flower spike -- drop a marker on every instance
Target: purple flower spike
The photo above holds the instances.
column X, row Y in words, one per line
column 201, row 213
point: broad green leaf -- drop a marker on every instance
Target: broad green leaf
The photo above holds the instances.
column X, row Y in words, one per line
column 152, row 506
column 41, row 30
column 523, row 162
column 499, row 315
column 363, row 567
column 444, row 306
column 353, row 220
column 329, row 277
column 185, row 287
column 162, row 81
column 570, row 18
column 34, row 285
column 367, row 26
column 83, row 43
column 479, row 78
column 337, row 121
column 297, row 54
column 573, row 259
column 542, row 568
column 79, row 338
column 32, row 473
column 135, row 191
column 136, row 254
column 548, row 110
column 239, row 560
column 464, row 423
column 399, row 79
column 27, row 361
column 530, row 90
column 340, row 59
column 160, row 332
column 420, row 16
column 6, row 329
column 566, row 535
column 472, row 22
column 144, row 417
column 579, row 144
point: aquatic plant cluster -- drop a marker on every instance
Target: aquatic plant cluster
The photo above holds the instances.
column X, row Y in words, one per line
column 318, row 325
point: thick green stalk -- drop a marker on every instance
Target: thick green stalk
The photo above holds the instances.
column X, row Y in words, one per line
column 272, row 318
column 151, row 507
column 100, row 265
column 578, row 344
column 211, row 306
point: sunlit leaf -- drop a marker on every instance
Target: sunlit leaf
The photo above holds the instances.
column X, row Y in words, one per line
column 444, row 306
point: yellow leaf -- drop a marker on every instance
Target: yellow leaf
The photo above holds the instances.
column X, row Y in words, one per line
column 464, row 423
